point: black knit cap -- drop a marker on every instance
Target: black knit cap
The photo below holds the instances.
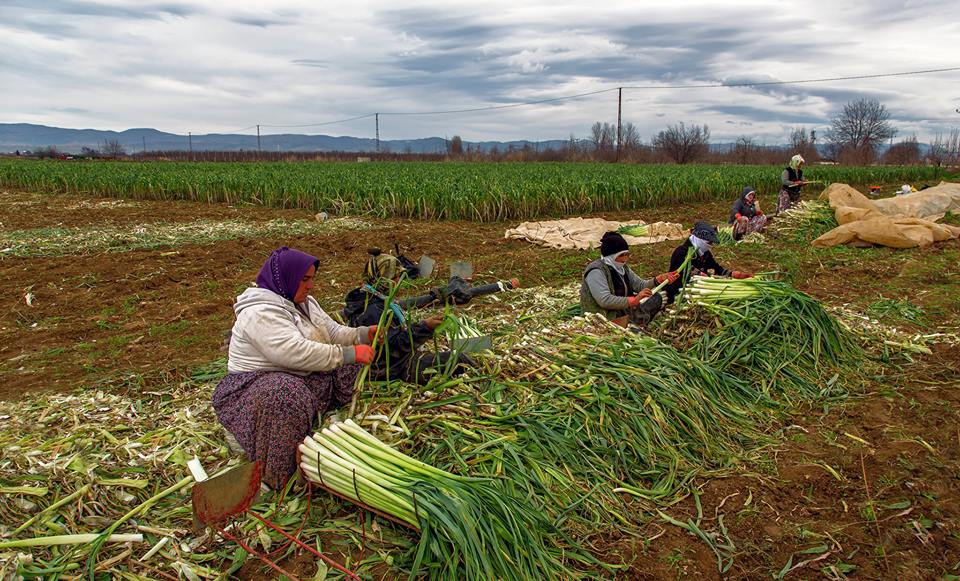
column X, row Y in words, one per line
column 612, row 243
column 705, row 231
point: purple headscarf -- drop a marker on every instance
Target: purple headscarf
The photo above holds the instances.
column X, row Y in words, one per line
column 284, row 270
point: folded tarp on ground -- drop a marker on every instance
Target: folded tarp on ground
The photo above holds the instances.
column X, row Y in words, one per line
column 900, row 222
column 585, row 233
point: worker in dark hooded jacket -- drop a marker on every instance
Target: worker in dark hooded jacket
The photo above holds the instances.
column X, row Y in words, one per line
column 399, row 358
column 610, row 287
column 746, row 216
column 702, row 237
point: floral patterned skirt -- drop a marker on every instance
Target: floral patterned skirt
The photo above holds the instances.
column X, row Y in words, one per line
column 271, row 412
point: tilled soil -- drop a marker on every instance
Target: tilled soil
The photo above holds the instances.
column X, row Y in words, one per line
column 141, row 318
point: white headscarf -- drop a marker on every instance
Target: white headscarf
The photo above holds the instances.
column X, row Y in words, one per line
column 796, row 160
column 700, row 244
column 611, row 261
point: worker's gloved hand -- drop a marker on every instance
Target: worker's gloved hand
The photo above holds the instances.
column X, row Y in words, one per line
column 457, row 291
column 738, row 274
column 636, row 300
column 670, row 277
column 433, row 322
column 372, row 333
column 363, row 354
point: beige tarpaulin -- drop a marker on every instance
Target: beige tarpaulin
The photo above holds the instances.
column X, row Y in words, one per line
column 899, row 222
column 585, row 233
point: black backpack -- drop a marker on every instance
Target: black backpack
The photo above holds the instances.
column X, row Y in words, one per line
column 412, row 268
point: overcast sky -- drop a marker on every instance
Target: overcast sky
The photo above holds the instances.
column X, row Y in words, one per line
column 220, row 66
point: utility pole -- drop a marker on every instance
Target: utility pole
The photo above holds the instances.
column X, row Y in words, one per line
column 258, row 141
column 376, row 118
column 144, row 144
column 190, row 143
column 619, row 127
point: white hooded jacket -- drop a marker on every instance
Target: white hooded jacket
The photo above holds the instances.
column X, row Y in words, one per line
column 271, row 334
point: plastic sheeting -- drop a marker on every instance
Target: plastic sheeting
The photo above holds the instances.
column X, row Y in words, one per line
column 904, row 221
column 585, row 233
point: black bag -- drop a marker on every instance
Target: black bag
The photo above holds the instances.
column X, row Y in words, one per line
column 412, row 268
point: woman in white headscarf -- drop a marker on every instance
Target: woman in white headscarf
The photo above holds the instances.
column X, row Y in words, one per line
column 791, row 182
column 703, row 236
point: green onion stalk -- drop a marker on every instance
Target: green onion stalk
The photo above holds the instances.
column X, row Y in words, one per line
column 580, row 412
column 470, row 528
column 774, row 335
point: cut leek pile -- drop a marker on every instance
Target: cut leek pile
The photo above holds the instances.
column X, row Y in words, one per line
column 725, row 236
column 638, row 230
column 470, row 529
column 807, row 220
column 768, row 331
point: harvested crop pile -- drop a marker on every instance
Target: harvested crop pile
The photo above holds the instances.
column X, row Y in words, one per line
column 771, row 334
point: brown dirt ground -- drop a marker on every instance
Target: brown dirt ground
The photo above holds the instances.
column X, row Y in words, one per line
column 137, row 318
column 131, row 316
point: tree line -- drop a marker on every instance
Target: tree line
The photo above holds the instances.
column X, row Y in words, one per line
column 855, row 137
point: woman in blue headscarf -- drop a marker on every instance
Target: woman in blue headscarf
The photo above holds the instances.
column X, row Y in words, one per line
column 288, row 361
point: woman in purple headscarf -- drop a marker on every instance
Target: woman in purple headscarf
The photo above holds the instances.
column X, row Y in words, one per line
column 288, row 361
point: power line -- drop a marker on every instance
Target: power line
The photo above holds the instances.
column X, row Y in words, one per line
column 607, row 90
column 645, row 87
column 795, row 82
column 238, row 130
column 321, row 124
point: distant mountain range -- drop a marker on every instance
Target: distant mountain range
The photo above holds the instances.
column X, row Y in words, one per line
column 27, row 136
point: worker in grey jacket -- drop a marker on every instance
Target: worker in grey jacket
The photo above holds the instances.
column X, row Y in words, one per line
column 610, row 287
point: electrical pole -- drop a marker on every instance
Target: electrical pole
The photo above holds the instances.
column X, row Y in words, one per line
column 258, row 141
column 144, row 144
column 190, row 143
column 376, row 118
column 619, row 128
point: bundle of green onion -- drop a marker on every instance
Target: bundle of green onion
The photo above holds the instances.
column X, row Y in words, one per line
column 774, row 334
column 725, row 235
column 470, row 528
column 807, row 220
column 638, row 230
column 460, row 327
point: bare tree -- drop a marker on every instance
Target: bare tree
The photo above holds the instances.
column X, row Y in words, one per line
column 603, row 136
column 50, row 151
column 455, row 145
column 945, row 150
column 745, row 150
column 682, row 144
column 113, row 149
column 804, row 143
column 630, row 137
column 859, row 128
column 906, row 152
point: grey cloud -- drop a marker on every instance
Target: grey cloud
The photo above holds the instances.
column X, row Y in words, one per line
column 75, row 110
column 441, row 28
column 758, row 114
column 259, row 22
column 313, row 63
column 146, row 10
